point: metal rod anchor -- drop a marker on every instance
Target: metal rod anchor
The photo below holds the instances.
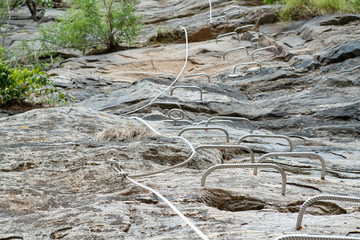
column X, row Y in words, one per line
column 206, row 129
column 244, row 27
column 229, row 147
column 310, row 155
column 197, row 74
column 189, row 87
column 262, row 49
column 253, row 165
column 318, row 198
column 231, row 118
column 291, row 145
column 315, row 237
column 247, row 63
column 235, row 49
column 227, row 34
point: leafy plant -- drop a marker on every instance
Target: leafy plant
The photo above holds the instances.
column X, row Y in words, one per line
column 302, row 9
column 166, row 35
column 26, row 85
column 90, row 23
column 270, row 1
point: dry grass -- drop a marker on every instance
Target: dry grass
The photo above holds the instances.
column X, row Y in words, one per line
column 123, row 134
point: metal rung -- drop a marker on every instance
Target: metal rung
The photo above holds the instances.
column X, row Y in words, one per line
column 262, row 49
column 229, row 147
column 269, row 136
column 247, row 63
column 216, row 18
column 244, row 27
column 318, row 198
column 206, row 129
column 191, row 87
column 310, row 155
column 167, row 103
column 198, row 74
column 178, row 121
column 253, row 165
column 231, row 118
column 227, row 34
column 224, row 121
column 235, row 49
column 227, row 15
column 230, row 8
column 314, row 237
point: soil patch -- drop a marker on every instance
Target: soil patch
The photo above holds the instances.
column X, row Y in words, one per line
column 19, row 105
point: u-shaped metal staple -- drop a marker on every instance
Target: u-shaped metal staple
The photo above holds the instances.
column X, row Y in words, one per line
column 314, row 237
column 310, row 155
column 262, row 49
column 244, row 27
column 227, row 34
column 205, row 128
column 231, row 118
column 291, row 145
column 235, row 49
column 189, row 87
column 252, row 160
column 253, row 165
column 318, row 198
column 247, row 63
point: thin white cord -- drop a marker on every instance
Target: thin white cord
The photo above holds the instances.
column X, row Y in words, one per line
column 171, row 206
column 210, row 11
column 172, row 84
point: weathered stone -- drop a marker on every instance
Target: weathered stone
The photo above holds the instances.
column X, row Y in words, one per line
column 340, row 53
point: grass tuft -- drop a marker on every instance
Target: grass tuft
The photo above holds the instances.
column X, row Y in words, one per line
column 127, row 134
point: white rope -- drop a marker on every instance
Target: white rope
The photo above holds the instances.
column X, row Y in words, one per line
column 210, row 11
column 171, row 206
column 172, row 84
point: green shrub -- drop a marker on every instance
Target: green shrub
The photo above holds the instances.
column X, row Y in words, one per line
column 302, row 9
column 90, row 23
column 26, row 85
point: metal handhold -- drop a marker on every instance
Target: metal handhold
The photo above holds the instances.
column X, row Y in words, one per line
column 253, row 165
column 252, row 160
column 198, row 74
column 227, row 15
column 206, row 129
column 247, row 63
column 191, row 87
column 231, row 118
column 291, row 145
column 318, row 198
column 315, row 237
column 216, row 18
column 235, row 49
column 244, row 27
column 224, row 121
column 227, row 34
column 229, row 8
column 310, row 155
column 262, row 49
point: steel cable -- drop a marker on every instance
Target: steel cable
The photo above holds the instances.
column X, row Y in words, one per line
column 172, row 84
column 118, row 167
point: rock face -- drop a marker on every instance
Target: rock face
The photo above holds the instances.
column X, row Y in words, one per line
column 57, row 185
